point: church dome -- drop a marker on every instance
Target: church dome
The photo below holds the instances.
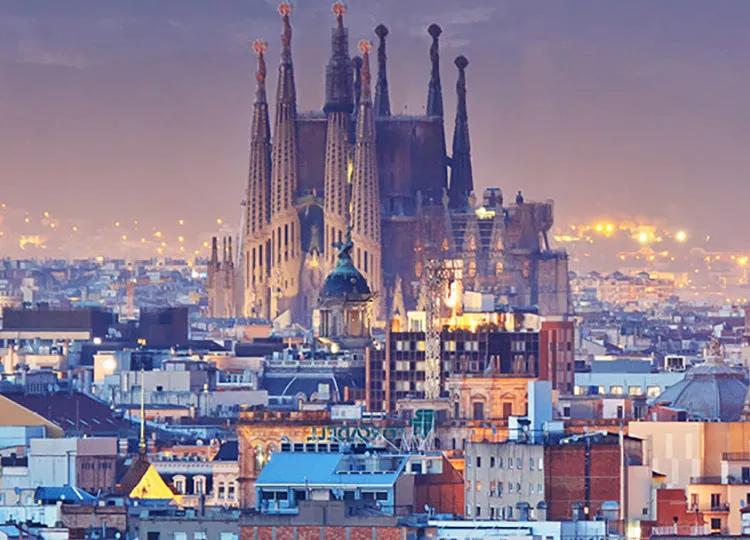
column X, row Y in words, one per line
column 345, row 282
column 710, row 391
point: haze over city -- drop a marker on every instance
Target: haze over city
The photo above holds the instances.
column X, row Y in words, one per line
column 114, row 113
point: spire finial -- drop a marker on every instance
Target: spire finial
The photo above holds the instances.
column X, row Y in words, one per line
column 285, row 10
column 365, row 47
column 259, row 48
column 339, row 9
column 435, row 93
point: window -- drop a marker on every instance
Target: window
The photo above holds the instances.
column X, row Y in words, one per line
column 653, row 391
column 479, row 462
column 200, row 535
column 715, row 500
column 231, row 490
column 715, row 524
column 492, row 461
column 500, row 462
column 634, row 390
column 221, row 490
column 478, row 409
column 179, row 535
column 616, row 390
column 510, row 462
column 510, row 487
column 199, row 485
column 519, row 463
column 479, row 511
column 532, row 464
column 179, row 484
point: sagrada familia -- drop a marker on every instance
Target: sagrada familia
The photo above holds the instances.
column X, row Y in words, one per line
column 385, row 178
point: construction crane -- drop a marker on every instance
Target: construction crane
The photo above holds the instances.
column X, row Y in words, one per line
column 437, row 276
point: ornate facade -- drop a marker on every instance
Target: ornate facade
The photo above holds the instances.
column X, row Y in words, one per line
column 355, row 164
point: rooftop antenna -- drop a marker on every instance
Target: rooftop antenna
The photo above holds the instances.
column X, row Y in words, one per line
column 142, row 441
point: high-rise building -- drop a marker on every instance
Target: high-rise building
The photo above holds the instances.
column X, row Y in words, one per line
column 354, row 164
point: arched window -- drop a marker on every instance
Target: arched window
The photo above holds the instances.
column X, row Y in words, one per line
column 178, row 482
column 199, row 485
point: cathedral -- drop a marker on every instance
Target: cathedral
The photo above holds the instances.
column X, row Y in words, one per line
column 356, row 168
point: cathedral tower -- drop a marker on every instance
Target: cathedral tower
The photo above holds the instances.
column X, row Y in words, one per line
column 285, row 250
column 256, row 238
column 338, row 108
column 365, row 193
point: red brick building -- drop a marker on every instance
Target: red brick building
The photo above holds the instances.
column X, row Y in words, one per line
column 586, row 470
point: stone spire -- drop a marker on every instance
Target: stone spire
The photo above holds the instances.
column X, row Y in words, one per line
column 338, row 108
column 365, row 195
column 284, row 247
column 382, row 100
column 339, row 68
column 284, row 154
column 259, row 180
column 462, row 182
column 435, row 93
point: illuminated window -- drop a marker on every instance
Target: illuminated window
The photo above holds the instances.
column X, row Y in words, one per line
column 616, row 390
column 653, row 391
column 499, row 267
column 634, row 390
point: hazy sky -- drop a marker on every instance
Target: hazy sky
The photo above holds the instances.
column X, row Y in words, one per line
column 114, row 110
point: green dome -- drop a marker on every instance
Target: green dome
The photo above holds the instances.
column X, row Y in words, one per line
column 345, row 281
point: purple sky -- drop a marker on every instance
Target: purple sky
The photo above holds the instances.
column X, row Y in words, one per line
column 139, row 110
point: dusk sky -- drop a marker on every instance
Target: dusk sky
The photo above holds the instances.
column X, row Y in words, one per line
column 139, row 110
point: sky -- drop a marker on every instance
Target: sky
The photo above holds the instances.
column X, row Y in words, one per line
column 121, row 119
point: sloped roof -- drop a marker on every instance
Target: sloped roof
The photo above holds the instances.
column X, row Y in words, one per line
column 286, row 469
column 65, row 494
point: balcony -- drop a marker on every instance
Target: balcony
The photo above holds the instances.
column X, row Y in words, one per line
column 681, row 530
column 710, row 508
column 719, row 480
column 735, row 456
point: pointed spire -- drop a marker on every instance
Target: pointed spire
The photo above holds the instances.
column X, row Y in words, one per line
column 286, row 89
column 382, row 100
column 259, row 177
column 462, row 182
column 435, row 92
column 284, row 149
column 365, row 214
column 214, row 251
column 339, row 69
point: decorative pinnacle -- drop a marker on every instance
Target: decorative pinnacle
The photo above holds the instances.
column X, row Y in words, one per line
column 434, row 30
column 381, row 31
column 285, row 9
column 339, row 9
column 260, row 47
column 364, row 46
column 461, row 62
